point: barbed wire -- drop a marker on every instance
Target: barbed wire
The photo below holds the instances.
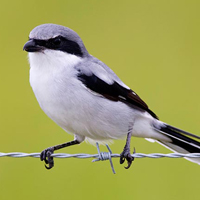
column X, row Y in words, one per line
column 83, row 155
column 101, row 156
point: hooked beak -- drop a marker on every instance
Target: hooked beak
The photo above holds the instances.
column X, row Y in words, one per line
column 31, row 46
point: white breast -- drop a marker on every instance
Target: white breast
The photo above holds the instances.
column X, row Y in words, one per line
column 52, row 79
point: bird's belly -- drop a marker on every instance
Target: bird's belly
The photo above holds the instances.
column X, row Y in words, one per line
column 86, row 119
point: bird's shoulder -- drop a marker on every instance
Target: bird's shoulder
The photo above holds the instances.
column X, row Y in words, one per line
column 99, row 78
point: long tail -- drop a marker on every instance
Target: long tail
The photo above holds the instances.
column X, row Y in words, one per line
column 182, row 141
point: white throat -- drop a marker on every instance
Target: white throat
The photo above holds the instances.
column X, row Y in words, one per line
column 52, row 59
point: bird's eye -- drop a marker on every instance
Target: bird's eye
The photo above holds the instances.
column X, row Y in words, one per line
column 56, row 41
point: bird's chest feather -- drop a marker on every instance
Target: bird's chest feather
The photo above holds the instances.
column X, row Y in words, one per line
column 53, row 91
column 55, row 86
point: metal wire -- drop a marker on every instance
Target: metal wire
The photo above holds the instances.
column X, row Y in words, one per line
column 83, row 155
column 101, row 156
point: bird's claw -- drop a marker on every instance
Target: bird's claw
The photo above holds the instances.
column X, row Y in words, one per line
column 47, row 158
column 126, row 155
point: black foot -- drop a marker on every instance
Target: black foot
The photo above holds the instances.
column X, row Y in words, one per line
column 126, row 155
column 46, row 156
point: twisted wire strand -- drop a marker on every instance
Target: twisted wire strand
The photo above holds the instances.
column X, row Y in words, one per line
column 101, row 156
column 83, row 155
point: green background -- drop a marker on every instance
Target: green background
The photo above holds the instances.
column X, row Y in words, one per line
column 153, row 46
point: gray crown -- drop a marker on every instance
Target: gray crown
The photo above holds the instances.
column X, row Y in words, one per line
column 47, row 31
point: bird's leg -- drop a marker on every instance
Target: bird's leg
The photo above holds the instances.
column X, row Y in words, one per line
column 126, row 155
column 46, row 154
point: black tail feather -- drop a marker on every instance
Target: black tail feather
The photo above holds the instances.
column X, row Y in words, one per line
column 181, row 138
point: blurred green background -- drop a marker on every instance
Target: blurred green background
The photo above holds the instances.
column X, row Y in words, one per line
column 153, row 46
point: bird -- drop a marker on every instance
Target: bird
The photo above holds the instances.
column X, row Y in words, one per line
column 87, row 99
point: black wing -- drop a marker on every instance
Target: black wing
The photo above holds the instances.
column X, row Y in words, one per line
column 114, row 92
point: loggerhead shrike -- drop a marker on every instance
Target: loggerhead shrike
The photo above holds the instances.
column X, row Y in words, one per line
column 86, row 98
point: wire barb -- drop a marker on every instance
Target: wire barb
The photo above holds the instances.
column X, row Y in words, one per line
column 105, row 156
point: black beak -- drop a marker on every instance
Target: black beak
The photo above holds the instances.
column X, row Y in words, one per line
column 31, row 46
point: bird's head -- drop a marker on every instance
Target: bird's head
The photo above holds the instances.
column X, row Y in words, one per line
column 54, row 41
